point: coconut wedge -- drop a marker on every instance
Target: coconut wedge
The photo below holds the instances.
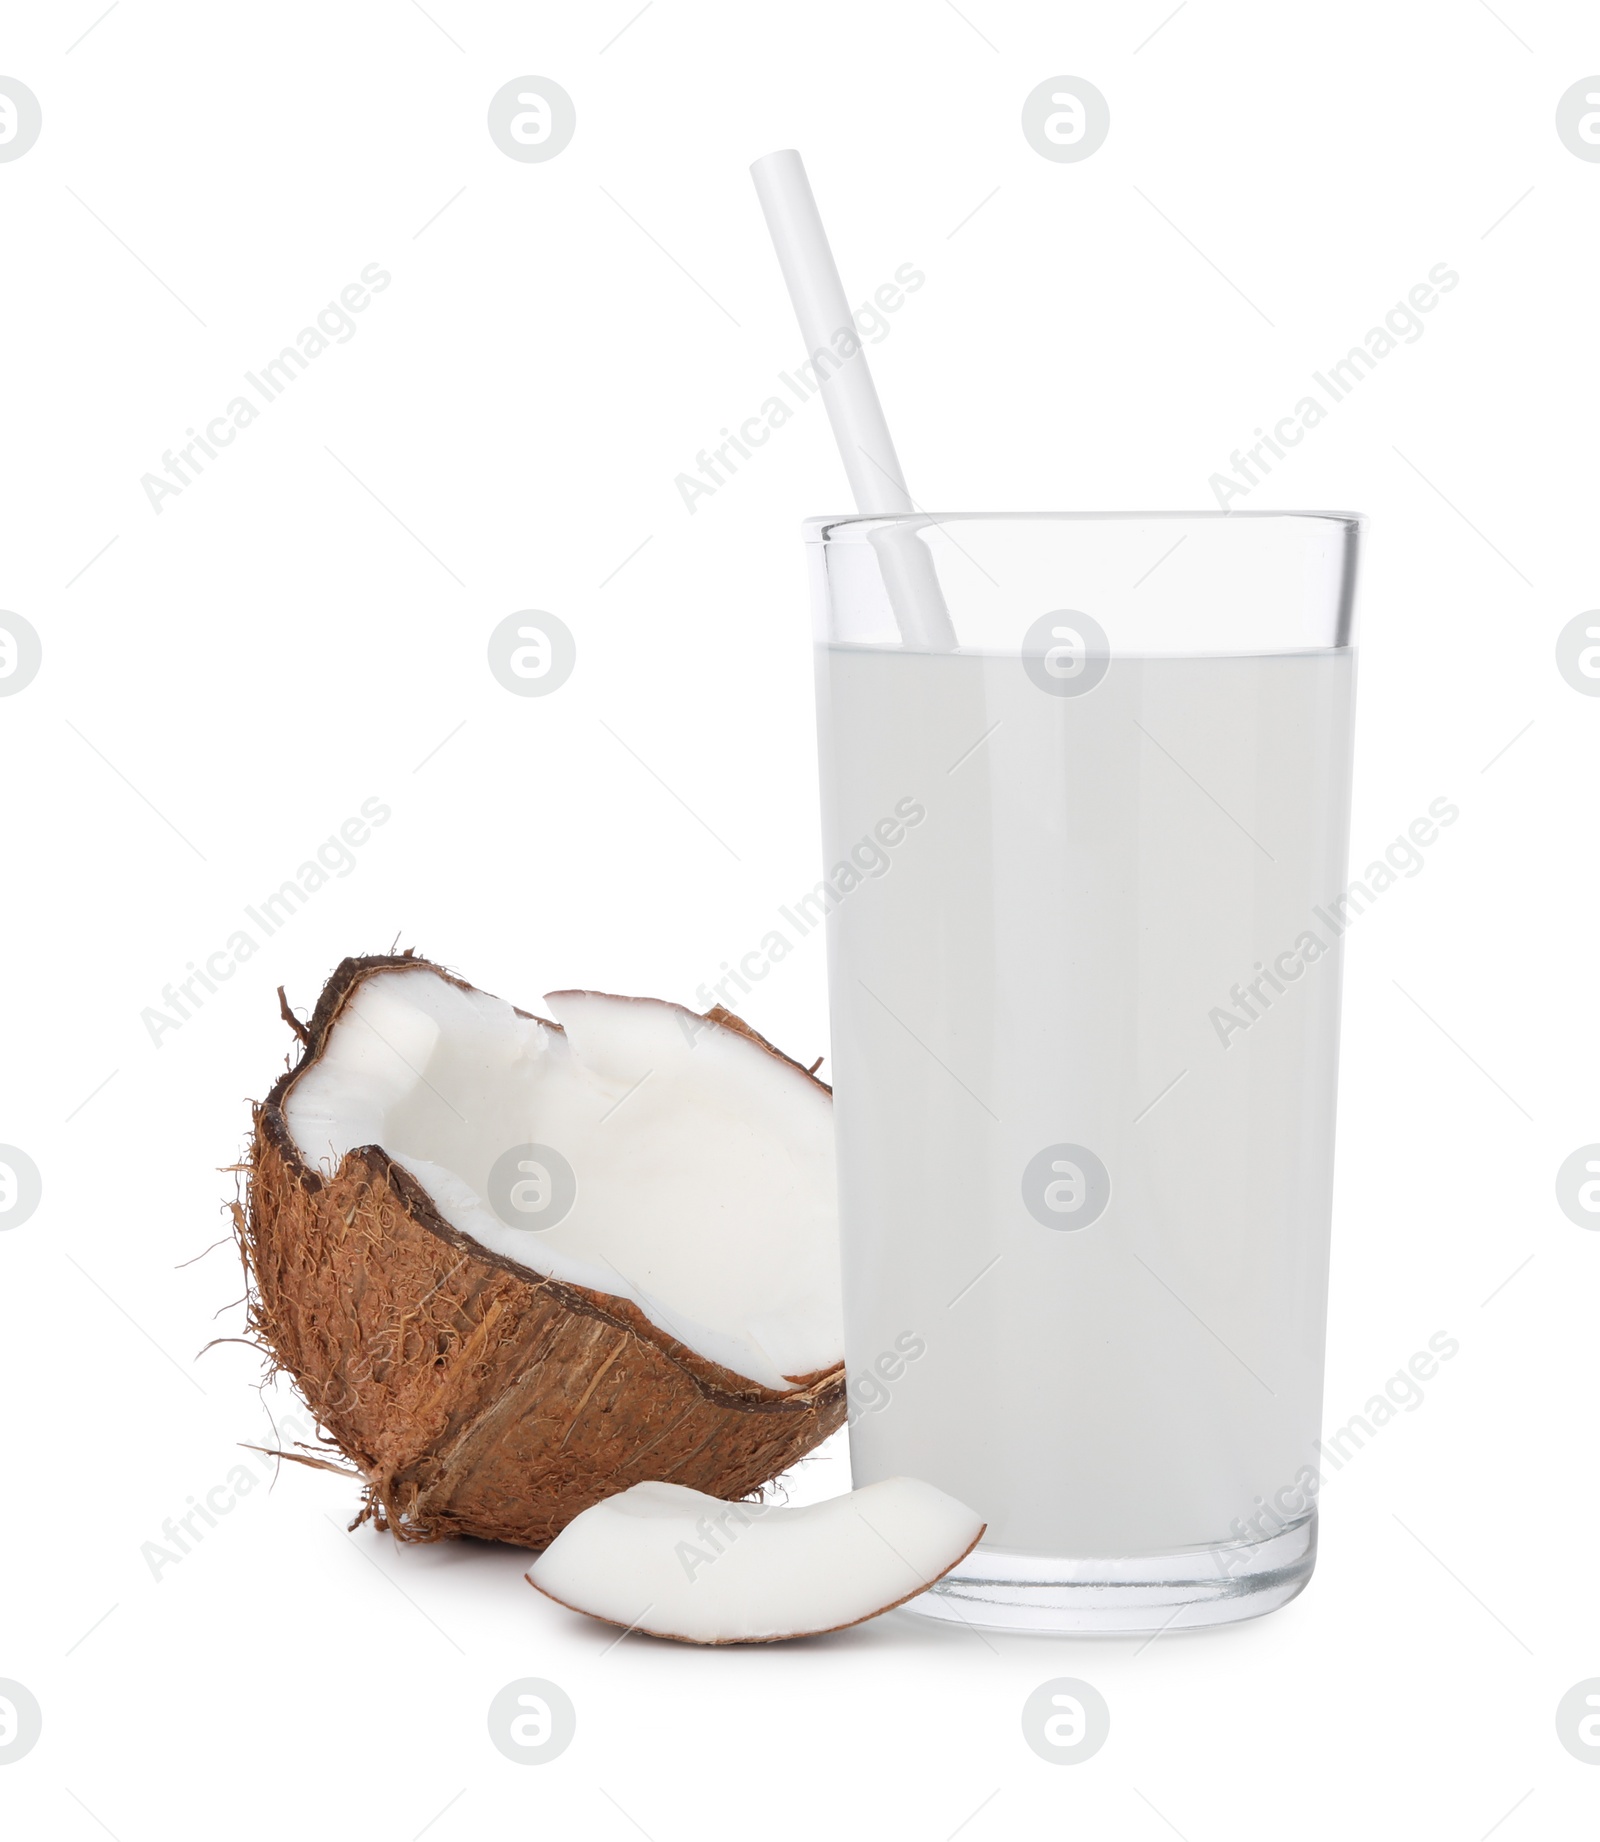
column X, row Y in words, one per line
column 676, row 1563
column 516, row 1265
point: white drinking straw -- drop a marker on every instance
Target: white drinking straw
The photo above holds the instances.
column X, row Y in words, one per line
column 870, row 462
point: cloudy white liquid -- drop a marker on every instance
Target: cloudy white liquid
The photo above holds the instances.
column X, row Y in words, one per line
column 1037, row 966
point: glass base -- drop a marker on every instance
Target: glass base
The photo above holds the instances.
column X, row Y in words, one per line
column 996, row 1590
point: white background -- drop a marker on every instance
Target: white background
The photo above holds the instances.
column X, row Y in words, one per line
column 228, row 681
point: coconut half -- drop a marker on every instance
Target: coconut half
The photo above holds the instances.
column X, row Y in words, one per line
column 676, row 1563
column 516, row 1265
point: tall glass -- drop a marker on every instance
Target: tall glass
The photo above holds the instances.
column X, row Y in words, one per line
column 1087, row 884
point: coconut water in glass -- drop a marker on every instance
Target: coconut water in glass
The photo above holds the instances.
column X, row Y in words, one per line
column 1084, row 865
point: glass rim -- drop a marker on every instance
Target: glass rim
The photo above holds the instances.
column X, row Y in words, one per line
column 840, row 526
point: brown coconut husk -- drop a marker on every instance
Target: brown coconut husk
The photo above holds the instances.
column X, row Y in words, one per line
column 472, row 1395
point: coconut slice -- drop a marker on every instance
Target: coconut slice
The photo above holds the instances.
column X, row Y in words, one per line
column 676, row 1563
column 515, row 1265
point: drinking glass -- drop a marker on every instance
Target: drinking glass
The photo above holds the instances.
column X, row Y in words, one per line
column 1086, row 854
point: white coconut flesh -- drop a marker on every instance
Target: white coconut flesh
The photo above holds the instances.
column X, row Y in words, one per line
column 673, row 1562
column 703, row 1163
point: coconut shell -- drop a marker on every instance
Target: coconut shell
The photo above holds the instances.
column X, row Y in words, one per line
column 472, row 1395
